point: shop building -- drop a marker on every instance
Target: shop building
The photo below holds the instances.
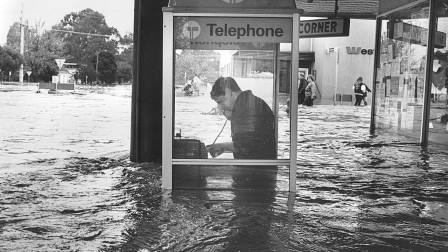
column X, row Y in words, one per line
column 335, row 62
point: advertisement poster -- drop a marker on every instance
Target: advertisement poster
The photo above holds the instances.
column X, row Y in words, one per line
column 403, row 119
column 394, row 86
column 393, row 117
column 388, row 88
column 386, row 111
column 404, row 104
column 410, row 118
column 379, row 74
column 403, row 65
column 387, row 70
column 401, row 87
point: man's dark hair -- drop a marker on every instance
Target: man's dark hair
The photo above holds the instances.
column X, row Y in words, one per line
column 219, row 88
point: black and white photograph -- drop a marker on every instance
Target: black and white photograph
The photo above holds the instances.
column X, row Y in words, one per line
column 223, row 125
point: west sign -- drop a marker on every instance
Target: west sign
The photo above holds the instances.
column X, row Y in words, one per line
column 324, row 28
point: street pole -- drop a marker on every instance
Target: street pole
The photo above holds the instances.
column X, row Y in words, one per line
column 336, row 50
column 97, row 68
column 22, row 45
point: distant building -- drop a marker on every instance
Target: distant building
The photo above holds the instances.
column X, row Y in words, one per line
column 352, row 56
column 67, row 73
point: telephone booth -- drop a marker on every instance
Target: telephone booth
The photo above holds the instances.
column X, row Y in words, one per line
column 241, row 41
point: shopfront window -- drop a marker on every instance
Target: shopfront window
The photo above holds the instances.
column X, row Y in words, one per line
column 401, row 70
column 438, row 117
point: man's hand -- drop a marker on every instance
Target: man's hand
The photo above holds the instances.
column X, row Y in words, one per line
column 215, row 149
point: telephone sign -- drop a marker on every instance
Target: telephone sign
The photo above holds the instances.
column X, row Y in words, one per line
column 231, row 33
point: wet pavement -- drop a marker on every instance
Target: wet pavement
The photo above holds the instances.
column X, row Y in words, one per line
column 66, row 184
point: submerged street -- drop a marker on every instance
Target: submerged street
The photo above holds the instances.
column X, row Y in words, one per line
column 66, row 184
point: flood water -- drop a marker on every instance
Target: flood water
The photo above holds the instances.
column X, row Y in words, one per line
column 66, row 184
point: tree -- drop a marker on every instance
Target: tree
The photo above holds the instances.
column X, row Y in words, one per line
column 10, row 60
column 41, row 52
column 125, row 59
column 126, row 49
column 87, row 71
column 126, row 45
column 124, row 72
column 13, row 37
column 81, row 46
column 107, row 67
column 201, row 63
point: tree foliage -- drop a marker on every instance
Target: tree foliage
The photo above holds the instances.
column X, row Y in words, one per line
column 201, row 63
column 124, row 72
column 87, row 73
column 41, row 50
column 125, row 59
column 10, row 60
column 13, row 37
column 81, row 46
column 107, row 67
column 79, row 37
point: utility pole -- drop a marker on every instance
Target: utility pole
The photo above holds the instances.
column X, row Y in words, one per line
column 335, row 50
column 22, row 44
column 96, row 68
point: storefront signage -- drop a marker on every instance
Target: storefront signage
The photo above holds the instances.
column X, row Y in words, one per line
column 231, row 33
column 324, row 28
column 416, row 34
column 359, row 50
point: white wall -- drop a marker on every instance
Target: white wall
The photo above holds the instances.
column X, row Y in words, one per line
column 351, row 66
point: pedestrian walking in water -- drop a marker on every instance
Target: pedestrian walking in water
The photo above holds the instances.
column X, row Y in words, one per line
column 302, row 85
column 364, row 97
column 310, row 91
column 360, row 90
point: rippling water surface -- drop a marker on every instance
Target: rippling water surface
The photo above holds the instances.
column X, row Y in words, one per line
column 66, row 184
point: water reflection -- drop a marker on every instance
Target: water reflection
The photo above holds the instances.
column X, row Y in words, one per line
column 355, row 192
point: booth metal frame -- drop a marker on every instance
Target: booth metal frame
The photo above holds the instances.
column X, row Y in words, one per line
column 168, row 90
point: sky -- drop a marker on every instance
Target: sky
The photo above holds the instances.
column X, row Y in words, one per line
column 118, row 13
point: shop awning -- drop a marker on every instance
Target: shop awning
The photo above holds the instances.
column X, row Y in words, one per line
column 367, row 9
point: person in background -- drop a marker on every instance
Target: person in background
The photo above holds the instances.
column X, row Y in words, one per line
column 365, row 89
column 302, row 85
column 310, row 91
column 359, row 94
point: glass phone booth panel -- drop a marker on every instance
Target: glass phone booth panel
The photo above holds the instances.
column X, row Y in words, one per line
column 227, row 116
